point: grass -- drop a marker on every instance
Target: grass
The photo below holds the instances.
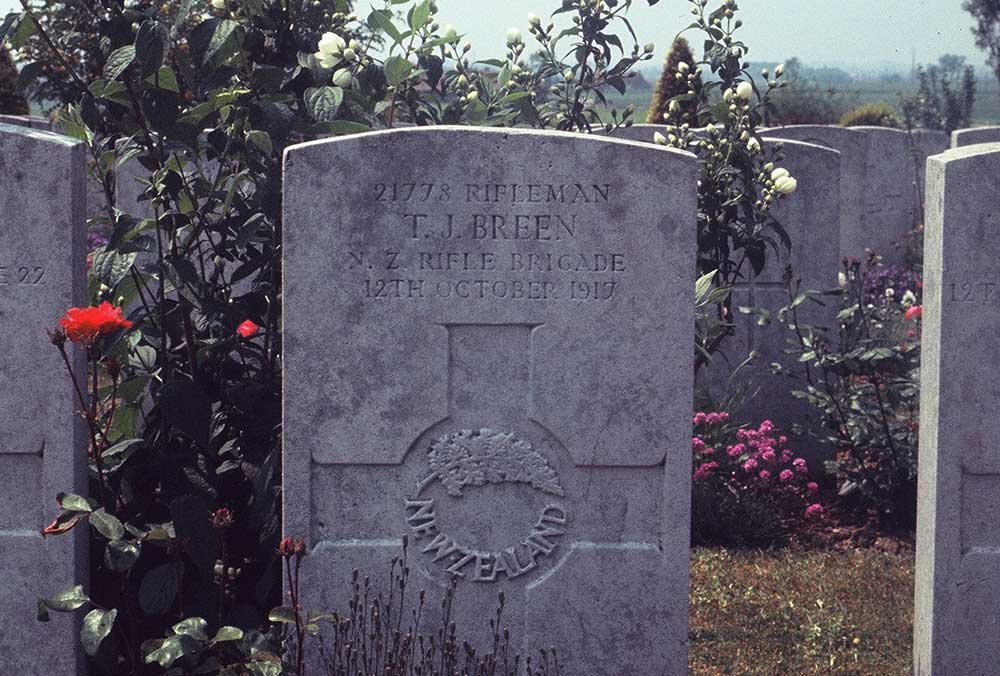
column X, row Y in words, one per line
column 801, row 612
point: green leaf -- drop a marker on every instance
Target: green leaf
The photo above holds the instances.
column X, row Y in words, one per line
column 165, row 79
column 158, row 589
column 107, row 525
column 262, row 140
column 282, row 614
column 96, row 627
column 110, row 267
column 324, row 102
column 223, row 31
column 172, row 649
column 228, row 634
column 150, row 45
column 195, row 627
column 420, row 15
column 67, row 601
column 75, row 503
column 702, row 286
column 119, row 61
column 338, row 128
column 397, row 69
column 120, row 555
column 25, row 29
column 381, row 19
column 29, row 73
column 113, row 458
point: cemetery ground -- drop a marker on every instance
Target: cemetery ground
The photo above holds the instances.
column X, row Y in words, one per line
column 801, row 611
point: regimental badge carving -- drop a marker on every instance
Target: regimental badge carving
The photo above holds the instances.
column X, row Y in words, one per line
column 473, row 458
column 480, row 457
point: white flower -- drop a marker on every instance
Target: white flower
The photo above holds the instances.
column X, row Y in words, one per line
column 343, row 78
column 727, row 96
column 648, row 48
column 909, row 299
column 349, row 54
column 326, row 60
column 659, row 139
column 753, row 145
column 890, row 292
column 450, row 32
column 534, row 20
column 842, row 279
column 332, row 44
column 710, row 129
column 786, row 185
column 683, row 67
column 219, row 4
column 744, row 91
column 778, row 173
column 780, row 70
column 514, row 37
column 472, row 95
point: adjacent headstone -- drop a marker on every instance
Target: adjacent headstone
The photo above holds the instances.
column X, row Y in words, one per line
column 30, row 121
column 643, row 133
column 853, row 148
column 42, row 448
column 974, row 136
column 811, row 215
column 892, row 200
column 958, row 526
column 488, row 350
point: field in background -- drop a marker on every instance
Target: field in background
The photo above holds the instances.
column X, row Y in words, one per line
column 801, row 612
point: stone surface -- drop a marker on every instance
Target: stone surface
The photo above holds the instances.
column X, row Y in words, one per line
column 42, row 448
column 974, row 135
column 853, row 148
column 503, row 375
column 958, row 524
column 811, row 215
column 30, row 121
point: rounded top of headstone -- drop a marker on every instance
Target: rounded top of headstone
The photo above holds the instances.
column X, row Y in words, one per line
column 801, row 131
column 969, row 152
column 797, row 146
column 879, row 131
column 975, row 135
column 38, row 135
column 468, row 135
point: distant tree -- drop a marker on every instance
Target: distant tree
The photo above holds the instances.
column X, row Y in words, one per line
column 810, row 97
column 879, row 114
column 673, row 83
column 987, row 29
column 11, row 100
column 945, row 96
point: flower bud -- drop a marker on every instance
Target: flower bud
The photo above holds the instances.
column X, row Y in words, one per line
column 779, row 173
column 349, row 54
column 780, row 70
column 659, row 139
column 343, row 78
column 534, row 20
column 727, row 96
column 472, row 95
column 462, row 81
column 744, row 91
column 673, row 106
column 466, row 47
column 219, row 4
column 683, row 67
column 450, row 32
column 648, row 48
column 514, row 37
column 753, row 145
column 786, row 185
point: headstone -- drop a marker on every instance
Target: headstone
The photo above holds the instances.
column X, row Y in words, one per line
column 811, row 216
column 853, row 148
column 42, row 448
column 892, row 201
column 958, row 525
column 30, row 121
column 488, row 341
column 643, row 133
column 975, row 135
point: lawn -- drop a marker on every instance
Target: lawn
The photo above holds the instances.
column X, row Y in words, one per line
column 794, row 612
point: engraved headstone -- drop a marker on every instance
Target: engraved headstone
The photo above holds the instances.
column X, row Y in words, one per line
column 853, row 148
column 958, row 525
column 974, row 136
column 811, row 216
column 488, row 350
column 42, row 267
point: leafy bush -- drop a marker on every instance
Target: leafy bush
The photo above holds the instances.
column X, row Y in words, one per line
column 862, row 377
column 738, row 182
column 748, row 488
column 872, row 115
column 11, row 100
column 803, row 101
column 673, row 84
column 945, row 97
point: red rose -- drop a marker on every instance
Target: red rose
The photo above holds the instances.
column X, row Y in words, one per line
column 85, row 324
column 915, row 312
column 247, row 329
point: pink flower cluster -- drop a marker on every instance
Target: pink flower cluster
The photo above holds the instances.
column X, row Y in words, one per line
column 758, row 460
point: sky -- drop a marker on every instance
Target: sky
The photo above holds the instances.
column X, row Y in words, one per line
column 863, row 34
